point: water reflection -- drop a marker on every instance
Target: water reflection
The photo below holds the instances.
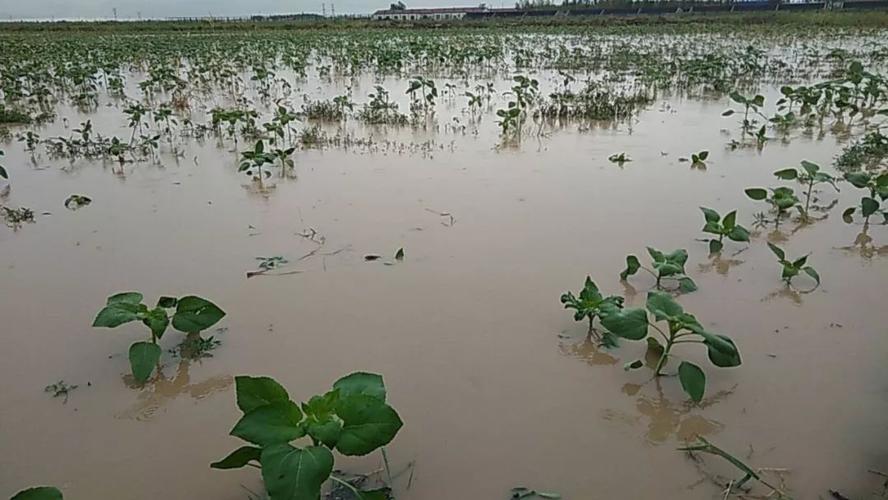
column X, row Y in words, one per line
column 589, row 351
column 664, row 419
column 155, row 395
column 722, row 265
column 864, row 247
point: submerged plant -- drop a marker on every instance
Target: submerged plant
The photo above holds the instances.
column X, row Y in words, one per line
column 726, row 227
column 750, row 105
column 877, row 185
column 781, row 198
column 792, row 268
column 704, row 446
column 809, row 176
column 353, row 419
column 590, row 303
column 669, row 266
column 619, row 158
column 192, row 315
column 683, row 328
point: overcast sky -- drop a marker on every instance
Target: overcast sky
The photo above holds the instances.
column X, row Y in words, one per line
column 98, row 9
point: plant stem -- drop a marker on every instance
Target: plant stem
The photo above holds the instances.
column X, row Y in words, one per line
column 348, row 485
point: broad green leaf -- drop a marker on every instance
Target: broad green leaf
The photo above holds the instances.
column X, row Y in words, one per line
column 157, row 321
column 143, row 357
column 801, row 261
column 294, row 473
column 253, row 392
column 757, row 194
column 39, row 493
column 710, row 215
column 167, row 302
column 125, row 297
column 367, row 424
column 630, row 324
column 739, row 233
column 194, row 314
column 810, row 167
column 632, row 267
column 730, row 220
column 668, row 268
column 655, row 254
column 787, row 174
column 704, row 155
column 361, row 383
column 116, row 314
column 693, row 380
column 686, row 285
column 869, row 206
column 679, row 256
column 812, row 273
column 777, row 251
column 759, row 100
column 722, row 351
column 3, row 173
column 858, row 179
column 326, row 431
column 270, row 424
column 663, row 306
column 399, row 255
column 848, row 214
column 238, row 458
column 728, row 112
column 715, row 246
column 712, row 228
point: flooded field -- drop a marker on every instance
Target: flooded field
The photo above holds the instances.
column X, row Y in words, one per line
column 414, row 204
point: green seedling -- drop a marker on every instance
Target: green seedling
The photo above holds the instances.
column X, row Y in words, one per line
column 591, row 304
column 781, row 198
column 619, row 158
column 683, row 328
column 352, row 419
column 669, row 266
column 698, row 160
column 192, row 315
column 704, row 446
column 726, row 227
column 15, row 217
column 269, row 263
column 809, row 176
column 792, row 268
column 877, row 185
column 39, row 493
column 253, row 160
column 750, row 104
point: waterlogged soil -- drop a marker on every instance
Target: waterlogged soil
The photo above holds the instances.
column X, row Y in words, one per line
column 497, row 385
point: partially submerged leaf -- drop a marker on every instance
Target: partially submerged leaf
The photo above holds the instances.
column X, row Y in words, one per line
column 195, row 314
column 294, row 473
column 238, row 458
column 630, row 323
column 143, row 357
column 693, row 380
column 39, row 493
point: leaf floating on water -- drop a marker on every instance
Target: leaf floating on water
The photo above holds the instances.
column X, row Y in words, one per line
column 371, row 257
column 399, row 255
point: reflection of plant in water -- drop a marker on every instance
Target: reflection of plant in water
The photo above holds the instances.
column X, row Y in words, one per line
column 589, row 351
column 666, row 419
column 165, row 389
column 720, row 264
column 863, row 245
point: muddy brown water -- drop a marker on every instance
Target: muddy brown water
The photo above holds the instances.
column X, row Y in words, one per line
column 494, row 381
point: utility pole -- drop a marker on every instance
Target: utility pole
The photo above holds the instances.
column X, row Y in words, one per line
column 324, row 9
column 332, row 10
column 115, row 13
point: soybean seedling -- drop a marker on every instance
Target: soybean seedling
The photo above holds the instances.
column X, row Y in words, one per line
column 683, row 328
column 781, row 198
column 809, row 176
column 353, row 419
column 591, row 304
column 192, row 315
column 878, row 192
column 669, row 266
column 723, row 227
column 750, row 104
column 698, row 160
column 792, row 268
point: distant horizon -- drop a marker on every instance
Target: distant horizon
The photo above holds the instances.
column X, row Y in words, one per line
column 163, row 10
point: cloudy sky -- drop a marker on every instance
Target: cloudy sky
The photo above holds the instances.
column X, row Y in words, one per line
column 95, row 9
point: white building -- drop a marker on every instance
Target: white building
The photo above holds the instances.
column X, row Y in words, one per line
column 442, row 14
